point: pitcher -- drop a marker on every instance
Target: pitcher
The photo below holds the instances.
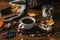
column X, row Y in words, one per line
column 47, row 11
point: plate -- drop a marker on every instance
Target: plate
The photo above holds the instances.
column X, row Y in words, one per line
column 20, row 11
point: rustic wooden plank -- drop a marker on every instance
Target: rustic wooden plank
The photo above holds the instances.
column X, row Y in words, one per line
column 4, row 5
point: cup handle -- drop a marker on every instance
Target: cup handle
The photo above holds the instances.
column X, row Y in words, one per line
column 21, row 26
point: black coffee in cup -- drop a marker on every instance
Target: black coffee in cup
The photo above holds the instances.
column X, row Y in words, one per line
column 27, row 21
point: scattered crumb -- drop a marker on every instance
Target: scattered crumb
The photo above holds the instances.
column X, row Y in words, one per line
column 21, row 38
column 32, row 35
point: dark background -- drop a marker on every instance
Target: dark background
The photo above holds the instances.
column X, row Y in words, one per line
column 55, row 3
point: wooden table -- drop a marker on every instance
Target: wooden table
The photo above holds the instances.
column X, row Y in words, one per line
column 4, row 5
column 27, row 37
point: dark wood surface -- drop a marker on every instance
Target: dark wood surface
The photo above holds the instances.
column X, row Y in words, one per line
column 27, row 37
column 56, row 36
column 4, row 5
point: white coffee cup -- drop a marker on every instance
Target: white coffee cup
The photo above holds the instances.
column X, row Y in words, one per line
column 27, row 25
